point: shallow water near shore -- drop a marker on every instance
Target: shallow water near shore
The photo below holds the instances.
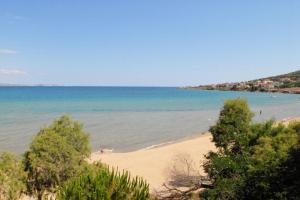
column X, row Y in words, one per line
column 126, row 118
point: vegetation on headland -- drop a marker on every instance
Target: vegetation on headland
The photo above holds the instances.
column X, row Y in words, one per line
column 252, row 161
column 286, row 83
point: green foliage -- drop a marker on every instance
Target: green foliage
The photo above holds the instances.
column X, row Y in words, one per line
column 12, row 177
column 266, row 164
column 231, row 135
column 274, row 170
column 102, row 183
column 292, row 75
column 290, row 85
column 271, row 149
column 55, row 155
column 74, row 134
column 234, row 123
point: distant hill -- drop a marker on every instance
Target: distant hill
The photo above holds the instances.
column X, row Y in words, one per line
column 6, row 84
column 292, row 75
column 33, row 85
column 285, row 83
column 288, row 80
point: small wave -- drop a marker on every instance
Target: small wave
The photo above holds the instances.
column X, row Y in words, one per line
column 157, row 145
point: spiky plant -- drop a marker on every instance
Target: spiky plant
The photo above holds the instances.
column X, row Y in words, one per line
column 104, row 184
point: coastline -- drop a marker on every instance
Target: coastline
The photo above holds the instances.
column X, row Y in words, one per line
column 154, row 163
column 295, row 90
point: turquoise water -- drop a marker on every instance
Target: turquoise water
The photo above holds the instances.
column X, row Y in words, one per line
column 125, row 118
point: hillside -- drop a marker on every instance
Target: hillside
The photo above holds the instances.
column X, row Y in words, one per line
column 285, row 83
column 292, row 75
column 290, row 79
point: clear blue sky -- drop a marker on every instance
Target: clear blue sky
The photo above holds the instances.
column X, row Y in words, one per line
column 147, row 43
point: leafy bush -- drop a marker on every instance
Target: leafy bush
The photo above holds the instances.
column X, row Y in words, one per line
column 12, row 177
column 74, row 134
column 253, row 161
column 234, row 123
column 274, row 169
column 102, row 183
column 55, row 154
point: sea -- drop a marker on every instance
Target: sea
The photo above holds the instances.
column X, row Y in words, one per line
column 126, row 118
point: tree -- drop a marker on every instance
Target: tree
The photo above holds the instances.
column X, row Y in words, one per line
column 101, row 183
column 274, row 170
column 55, row 155
column 12, row 177
column 231, row 134
column 234, row 122
column 74, row 134
column 253, row 161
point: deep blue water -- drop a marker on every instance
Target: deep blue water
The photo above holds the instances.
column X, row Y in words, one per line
column 125, row 118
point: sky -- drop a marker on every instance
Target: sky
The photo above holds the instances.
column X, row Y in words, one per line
column 147, row 43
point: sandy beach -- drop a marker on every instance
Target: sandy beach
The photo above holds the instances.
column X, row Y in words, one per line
column 153, row 164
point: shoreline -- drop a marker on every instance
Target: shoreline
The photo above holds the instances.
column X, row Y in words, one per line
column 171, row 142
column 278, row 91
column 182, row 139
column 154, row 146
column 153, row 163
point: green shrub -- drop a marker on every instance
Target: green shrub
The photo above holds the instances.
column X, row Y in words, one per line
column 56, row 154
column 12, row 177
column 253, row 161
column 233, row 124
column 100, row 183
